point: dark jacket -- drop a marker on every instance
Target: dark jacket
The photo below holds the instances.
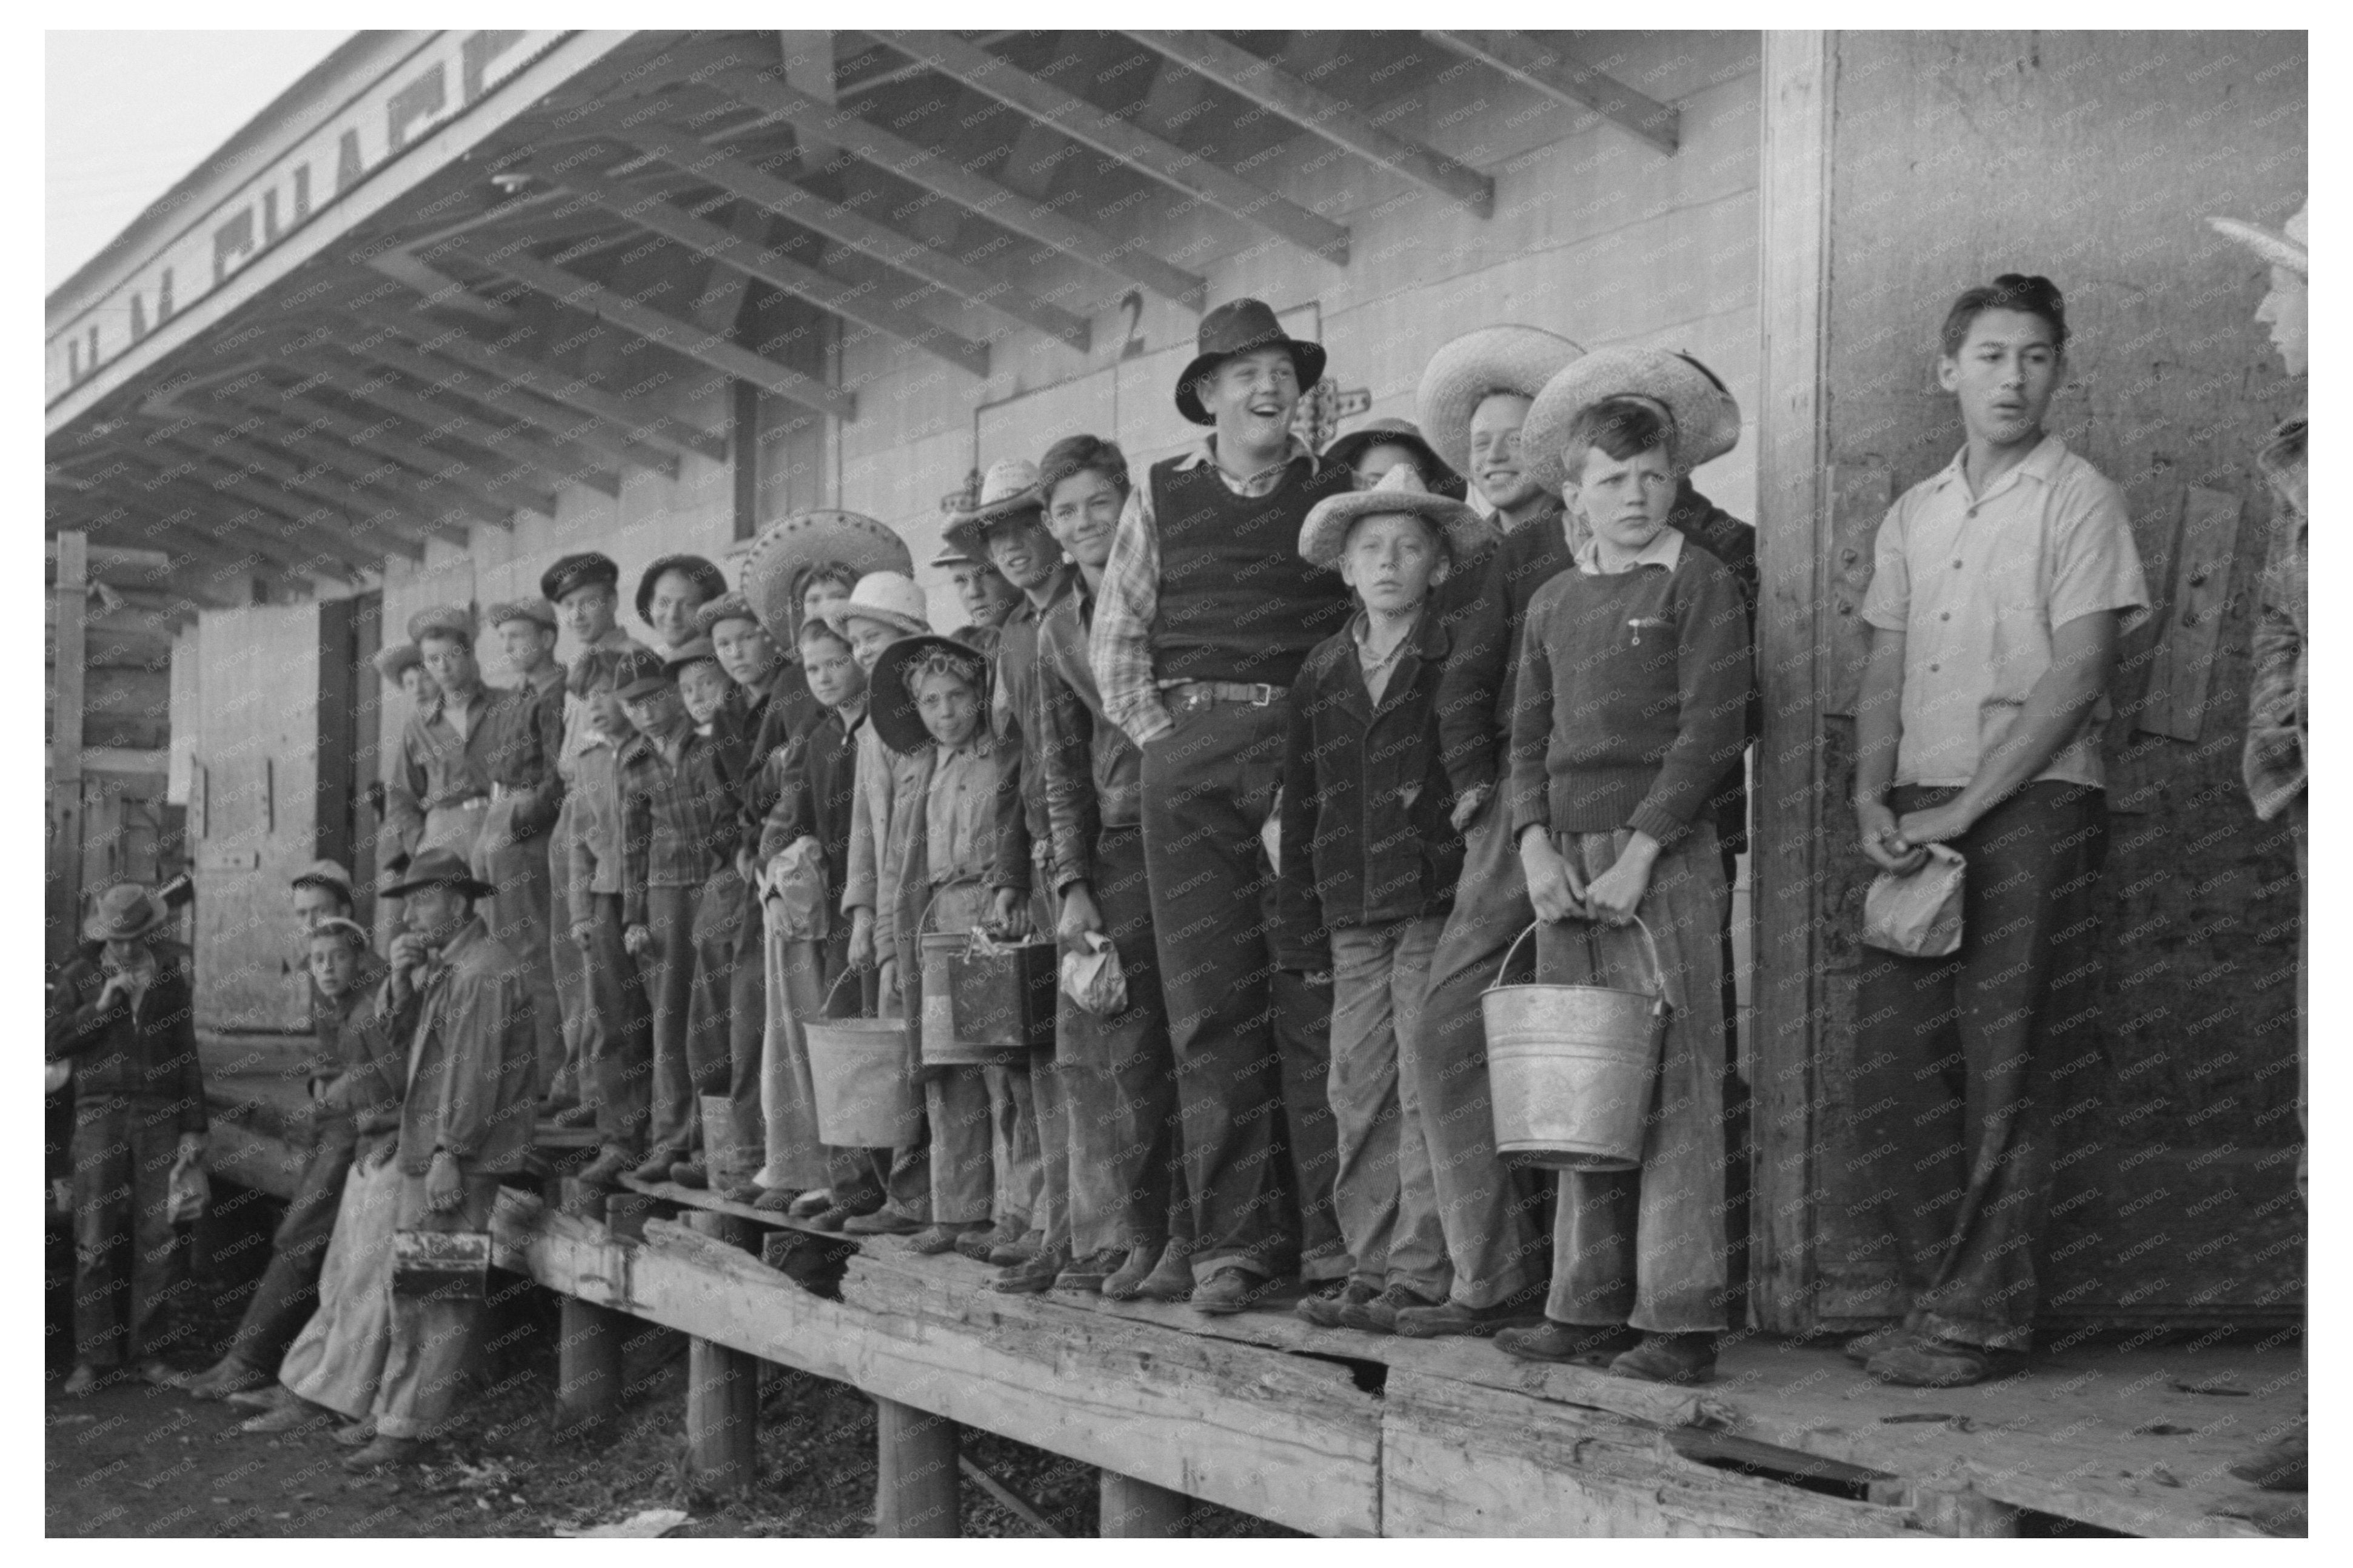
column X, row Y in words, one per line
column 527, row 735
column 817, row 781
column 373, row 1063
column 768, row 724
column 1366, row 839
column 474, row 1090
column 1021, row 819
column 1094, row 775
column 151, row 1057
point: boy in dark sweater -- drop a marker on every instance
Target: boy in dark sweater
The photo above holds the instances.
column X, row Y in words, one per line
column 1370, row 862
column 1633, row 684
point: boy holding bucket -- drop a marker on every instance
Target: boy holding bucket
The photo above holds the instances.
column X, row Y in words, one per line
column 1634, row 687
column 1369, row 862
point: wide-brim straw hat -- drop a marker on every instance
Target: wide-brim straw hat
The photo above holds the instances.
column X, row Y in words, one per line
column 124, row 913
column 1235, row 328
column 439, row 868
column 1008, row 489
column 1467, row 371
column 1707, row 420
column 2287, row 246
column 1324, row 535
column 1346, row 449
column 892, row 597
column 892, row 706
column 777, row 565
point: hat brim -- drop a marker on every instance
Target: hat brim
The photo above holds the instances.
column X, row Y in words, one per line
column 1434, row 469
column 470, row 887
column 842, row 610
column 780, row 558
column 2268, row 243
column 968, row 531
column 311, row 879
column 1307, row 358
column 555, row 582
column 1323, row 536
column 1707, row 420
column 157, row 917
column 1465, row 371
column 892, row 707
column 645, row 687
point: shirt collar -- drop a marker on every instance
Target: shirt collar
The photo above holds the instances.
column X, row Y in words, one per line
column 2040, row 464
column 1665, row 550
column 1204, row 450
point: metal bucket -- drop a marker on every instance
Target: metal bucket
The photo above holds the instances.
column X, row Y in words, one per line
column 866, row 1099
column 1571, row 1068
column 980, row 1006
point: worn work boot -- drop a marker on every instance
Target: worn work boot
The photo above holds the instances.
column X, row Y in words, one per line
column 1085, row 1275
column 383, row 1453
column 260, row 1399
column 1323, row 1303
column 1450, row 1319
column 1023, row 1249
column 656, row 1165
column 1595, row 1344
column 942, row 1236
column 874, row 1222
column 1684, row 1358
column 294, row 1415
column 1171, row 1278
column 1125, row 1282
column 979, row 1246
column 358, row 1434
column 1231, row 1289
column 608, row 1168
column 1871, row 1341
column 780, row 1201
column 226, row 1376
column 1379, row 1315
column 80, row 1382
column 691, row 1173
column 2279, row 1467
column 577, row 1116
column 745, row 1191
column 1926, row 1362
column 1034, row 1278
column 809, row 1205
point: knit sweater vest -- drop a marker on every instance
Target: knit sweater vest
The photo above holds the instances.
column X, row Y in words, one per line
column 1237, row 603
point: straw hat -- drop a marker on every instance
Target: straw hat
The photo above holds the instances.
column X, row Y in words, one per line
column 896, row 718
column 2287, row 246
column 1707, row 421
column 1008, row 489
column 1235, row 328
column 1462, row 374
column 439, row 868
column 1346, row 450
column 1324, row 535
column 776, row 566
column 124, row 913
column 892, row 598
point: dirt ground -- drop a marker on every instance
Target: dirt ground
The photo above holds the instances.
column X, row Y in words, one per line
column 134, row 1461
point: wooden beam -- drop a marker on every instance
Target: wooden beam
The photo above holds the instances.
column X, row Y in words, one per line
column 391, row 511
column 1533, row 60
column 438, row 287
column 111, row 514
column 1000, row 204
column 258, row 432
column 166, row 504
column 752, row 260
column 70, row 595
column 263, row 524
column 438, row 419
column 1309, row 106
column 861, row 234
column 655, row 326
column 1132, row 145
column 329, row 522
column 386, row 436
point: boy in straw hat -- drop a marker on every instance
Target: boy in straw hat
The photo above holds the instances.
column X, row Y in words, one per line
column 123, row 1019
column 1517, row 464
column 1999, row 586
column 2278, row 730
column 1370, row 862
column 1633, row 684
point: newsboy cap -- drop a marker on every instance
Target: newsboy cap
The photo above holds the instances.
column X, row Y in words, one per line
column 440, row 620
column 578, row 570
column 728, row 606
column 538, row 611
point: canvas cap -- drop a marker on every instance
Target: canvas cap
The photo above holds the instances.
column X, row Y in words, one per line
column 693, row 650
column 639, row 672
column 538, row 611
column 728, row 606
column 893, row 599
column 578, row 570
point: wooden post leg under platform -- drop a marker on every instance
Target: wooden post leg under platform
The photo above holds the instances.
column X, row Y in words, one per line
column 588, row 1347
column 722, row 1392
column 919, row 1486
column 1139, row 1508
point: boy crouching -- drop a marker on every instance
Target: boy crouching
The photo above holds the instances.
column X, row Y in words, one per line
column 1369, row 862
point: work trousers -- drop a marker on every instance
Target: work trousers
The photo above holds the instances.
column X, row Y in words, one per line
column 288, row 1292
column 1648, row 1247
column 127, row 1259
column 722, row 909
column 575, row 994
column 1963, row 1062
column 518, row 915
column 433, row 1340
column 667, row 965
column 984, row 1122
column 1208, row 785
column 800, row 972
column 749, row 982
column 625, row 1052
column 454, row 828
column 1382, row 1190
column 338, row 1359
column 1135, row 1166
column 1490, row 1241
column 1310, row 1134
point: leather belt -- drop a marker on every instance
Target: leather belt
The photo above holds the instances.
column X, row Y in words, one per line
column 1257, row 695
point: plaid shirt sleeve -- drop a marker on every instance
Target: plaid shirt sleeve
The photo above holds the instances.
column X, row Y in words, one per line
column 1120, row 647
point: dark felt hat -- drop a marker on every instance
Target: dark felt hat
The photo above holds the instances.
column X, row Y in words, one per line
column 1435, row 473
column 439, row 868
column 896, row 719
column 576, row 571
column 702, row 573
column 1238, row 327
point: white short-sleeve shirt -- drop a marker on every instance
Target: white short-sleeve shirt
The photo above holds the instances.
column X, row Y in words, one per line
column 1978, row 585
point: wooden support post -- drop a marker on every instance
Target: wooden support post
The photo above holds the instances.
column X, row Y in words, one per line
column 722, row 1390
column 73, row 594
column 920, row 1489
column 588, row 1345
column 626, row 1214
column 1140, row 1509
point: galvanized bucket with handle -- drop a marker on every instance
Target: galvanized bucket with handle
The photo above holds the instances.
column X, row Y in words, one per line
column 858, row 1068
column 1571, row 1069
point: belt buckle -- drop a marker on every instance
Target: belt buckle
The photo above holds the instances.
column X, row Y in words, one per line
column 1262, row 695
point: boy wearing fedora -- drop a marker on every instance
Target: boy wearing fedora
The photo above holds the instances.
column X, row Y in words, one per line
column 526, row 795
column 930, row 707
column 983, row 592
column 437, row 788
column 1369, row 863
column 620, row 1069
column 1204, row 616
column 1632, row 696
column 123, row 1017
column 457, row 997
column 1127, row 1168
column 1999, row 586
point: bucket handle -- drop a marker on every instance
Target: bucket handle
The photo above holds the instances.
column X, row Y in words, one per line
column 1650, row 948
column 825, row 1007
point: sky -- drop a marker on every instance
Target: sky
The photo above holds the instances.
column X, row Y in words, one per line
column 130, row 112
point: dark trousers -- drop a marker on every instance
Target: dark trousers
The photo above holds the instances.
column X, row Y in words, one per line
column 667, row 965
column 1207, row 787
column 624, row 1041
column 126, row 1254
column 1310, row 1134
column 722, row 907
column 1146, row 1158
column 1962, row 1063
column 289, row 1289
column 747, row 1021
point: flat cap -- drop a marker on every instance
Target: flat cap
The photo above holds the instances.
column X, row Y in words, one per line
column 728, row 606
column 638, row 671
column 538, row 611
column 691, row 651
column 577, row 571
column 440, row 620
